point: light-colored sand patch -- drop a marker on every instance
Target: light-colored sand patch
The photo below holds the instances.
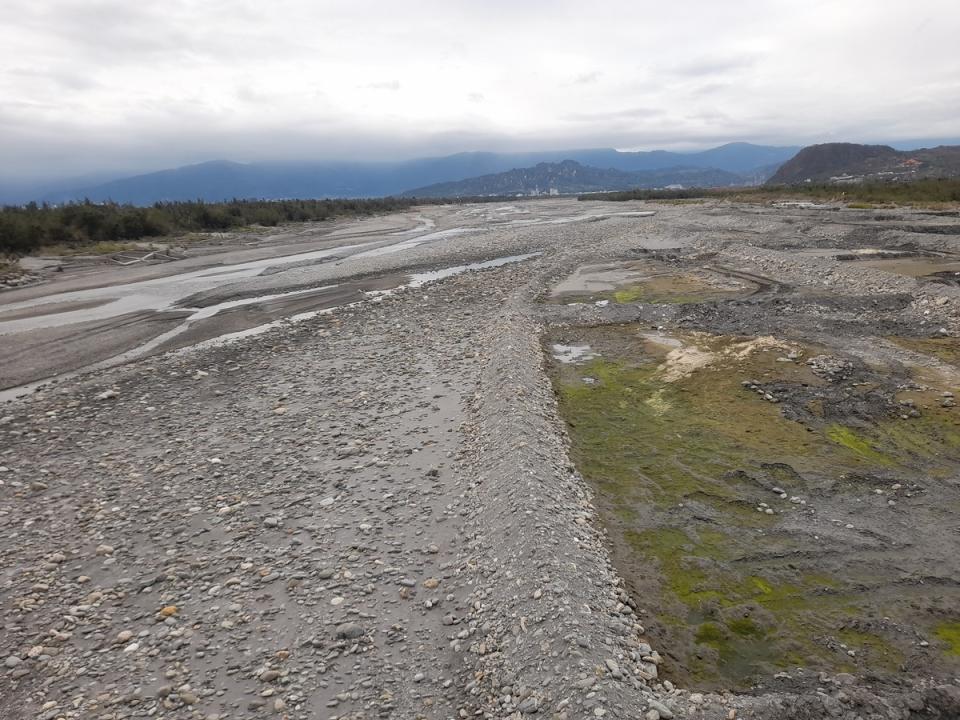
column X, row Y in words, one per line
column 684, row 361
column 763, row 343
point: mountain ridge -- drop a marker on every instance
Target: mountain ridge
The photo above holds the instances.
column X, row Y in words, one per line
column 854, row 162
column 569, row 176
column 224, row 180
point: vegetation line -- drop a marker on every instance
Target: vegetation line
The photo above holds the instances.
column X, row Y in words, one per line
column 919, row 191
column 27, row 228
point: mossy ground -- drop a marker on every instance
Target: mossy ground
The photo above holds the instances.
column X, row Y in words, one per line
column 949, row 634
column 684, row 472
column 666, row 289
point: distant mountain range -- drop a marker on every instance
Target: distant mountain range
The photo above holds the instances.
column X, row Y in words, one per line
column 570, row 176
column 849, row 163
column 223, row 180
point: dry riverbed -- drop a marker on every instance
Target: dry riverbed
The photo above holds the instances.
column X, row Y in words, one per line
column 556, row 459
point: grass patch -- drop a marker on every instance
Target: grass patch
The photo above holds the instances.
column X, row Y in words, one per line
column 683, row 471
column 850, row 439
column 949, row 634
column 881, row 653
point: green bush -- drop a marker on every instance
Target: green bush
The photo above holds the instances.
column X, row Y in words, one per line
column 27, row 228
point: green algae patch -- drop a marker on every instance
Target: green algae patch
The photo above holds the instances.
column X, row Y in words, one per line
column 703, row 483
column 949, row 634
column 850, row 439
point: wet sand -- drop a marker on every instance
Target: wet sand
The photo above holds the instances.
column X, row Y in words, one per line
column 46, row 353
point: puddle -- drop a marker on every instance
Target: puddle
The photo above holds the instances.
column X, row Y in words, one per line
column 943, row 269
column 572, row 354
column 767, row 519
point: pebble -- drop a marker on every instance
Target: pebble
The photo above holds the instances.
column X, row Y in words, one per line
column 349, row 630
column 529, row 706
column 665, row 712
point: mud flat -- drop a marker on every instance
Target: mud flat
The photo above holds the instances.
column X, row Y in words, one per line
column 737, row 498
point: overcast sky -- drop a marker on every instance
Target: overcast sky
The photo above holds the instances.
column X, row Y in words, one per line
column 92, row 85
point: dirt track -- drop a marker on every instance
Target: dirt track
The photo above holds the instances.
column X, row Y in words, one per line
column 373, row 512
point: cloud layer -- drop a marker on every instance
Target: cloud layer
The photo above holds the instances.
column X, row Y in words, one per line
column 90, row 85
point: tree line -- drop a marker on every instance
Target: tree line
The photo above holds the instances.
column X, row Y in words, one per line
column 27, row 228
column 946, row 190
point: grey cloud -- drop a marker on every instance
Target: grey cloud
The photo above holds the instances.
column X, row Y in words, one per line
column 61, row 78
column 712, row 67
column 710, row 88
column 627, row 114
column 393, row 85
column 587, row 78
column 116, row 85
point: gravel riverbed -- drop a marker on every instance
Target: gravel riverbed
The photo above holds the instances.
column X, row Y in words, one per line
column 372, row 512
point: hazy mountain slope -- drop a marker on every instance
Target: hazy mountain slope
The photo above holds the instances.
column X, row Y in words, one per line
column 222, row 180
column 570, row 176
column 566, row 176
column 850, row 161
column 742, row 157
